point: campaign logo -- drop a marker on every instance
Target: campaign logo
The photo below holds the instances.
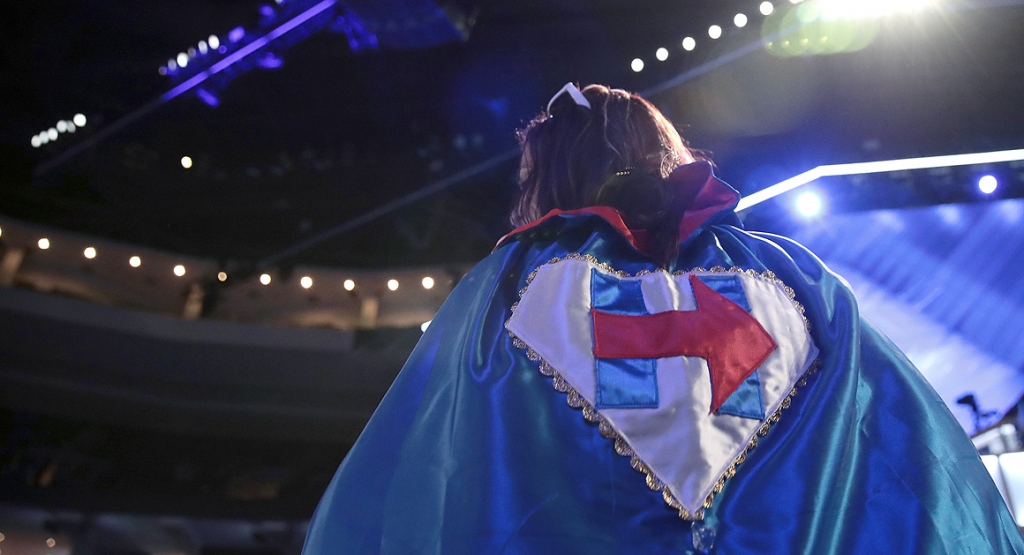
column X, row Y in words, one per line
column 684, row 368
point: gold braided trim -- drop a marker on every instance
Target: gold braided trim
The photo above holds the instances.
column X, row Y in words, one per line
column 622, row 447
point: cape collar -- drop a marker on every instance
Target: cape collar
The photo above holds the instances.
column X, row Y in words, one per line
column 705, row 196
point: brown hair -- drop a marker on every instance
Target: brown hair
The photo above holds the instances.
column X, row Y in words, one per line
column 572, row 155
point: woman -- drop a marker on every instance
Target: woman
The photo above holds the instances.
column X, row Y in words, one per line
column 631, row 372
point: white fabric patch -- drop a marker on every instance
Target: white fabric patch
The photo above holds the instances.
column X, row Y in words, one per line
column 684, row 446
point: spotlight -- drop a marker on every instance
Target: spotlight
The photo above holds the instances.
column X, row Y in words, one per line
column 306, row 282
column 36, row 142
column 213, row 41
column 808, row 205
column 393, row 284
column 44, row 243
column 740, row 20
column 79, row 120
column 349, row 285
column 52, row 134
column 179, row 270
column 987, row 184
column 714, row 31
column 203, row 49
column 71, row 127
column 661, row 54
column 637, row 65
column 62, row 126
column 182, row 59
column 222, row 276
column 89, row 252
column 767, row 8
column 186, row 162
column 265, row 279
column 172, row 65
column 135, row 262
column 428, row 282
column 44, row 137
column 689, row 44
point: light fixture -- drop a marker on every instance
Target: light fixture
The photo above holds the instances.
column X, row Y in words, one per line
column 637, row 65
column 222, row 276
column 213, row 41
column 661, row 54
column 265, row 279
column 988, row 184
column 135, row 262
column 428, row 282
column 689, row 44
column 740, row 20
column 179, row 270
column 36, row 142
column 62, row 126
column 186, row 162
column 79, row 120
column 182, row 59
column 203, row 49
column 52, row 133
column 306, row 282
column 44, row 243
column 714, row 31
column 89, row 252
column 393, row 284
column 766, row 8
column 349, row 285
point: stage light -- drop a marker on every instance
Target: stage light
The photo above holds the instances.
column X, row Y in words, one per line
column 766, row 8
column 36, row 142
column 714, row 31
column 191, row 52
column 71, row 127
column 425, row 325
column 808, row 205
column 52, row 134
column 265, row 279
column 428, row 282
column 186, row 162
column 689, row 44
column 349, row 285
column 203, row 49
column 661, row 54
column 214, row 42
column 740, row 20
column 89, row 252
column 79, row 120
column 172, row 65
column 393, row 284
column 44, row 243
column 135, row 262
column 306, row 282
column 44, row 137
column 987, row 184
column 179, row 270
column 182, row 59
column 637, row 65
column 222, row 276
column 62, row 126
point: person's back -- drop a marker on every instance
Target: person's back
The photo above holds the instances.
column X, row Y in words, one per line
column 631, row 372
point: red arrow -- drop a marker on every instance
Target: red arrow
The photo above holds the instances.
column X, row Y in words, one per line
column 720, row 331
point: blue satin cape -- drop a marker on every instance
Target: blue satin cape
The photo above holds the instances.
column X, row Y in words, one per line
column 472, row 451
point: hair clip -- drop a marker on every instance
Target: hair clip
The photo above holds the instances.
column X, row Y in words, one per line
column 575, row 93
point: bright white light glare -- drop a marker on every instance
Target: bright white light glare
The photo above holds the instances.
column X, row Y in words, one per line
column 203, row 49
column 71, row 127
column 428, row 282
column 795, row 1
column 186, row 162
column 222, row 276
column 987, row 184
column 44, row 137
column 36, row 141
column 661, row 54
column 62, row 126
column 89, row 252
column 44, row 243
column 714, row 31
column 766, row 8
column 808, row 204
column 79, row 120
column 637, row 65
column 393, row 284
column 349, row 285
column 179, row 270
column 306, row 282
column 265, row 279
column 214, row 42
column 425, row 325
column 689, row 44
column 182, row 59
column 740, row 20
column 135, row 262
column 52, row 134
column 880, row 166
column 861, row 9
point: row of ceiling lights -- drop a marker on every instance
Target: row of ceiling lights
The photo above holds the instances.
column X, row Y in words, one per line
column 714, row 32
column 62, row 126
column 179, row 270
